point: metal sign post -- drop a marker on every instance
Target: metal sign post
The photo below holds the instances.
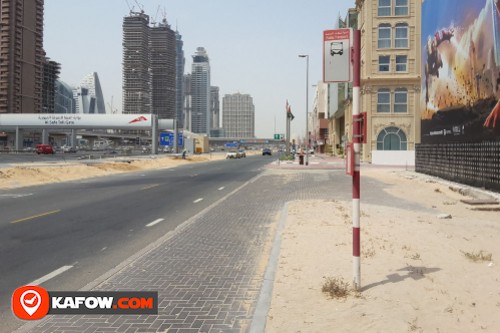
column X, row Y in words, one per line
column 341, row 63
column 356, row 139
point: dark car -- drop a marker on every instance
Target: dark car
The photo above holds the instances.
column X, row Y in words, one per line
column 266, row 151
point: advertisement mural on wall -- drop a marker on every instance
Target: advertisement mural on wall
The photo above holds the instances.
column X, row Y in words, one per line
column 460, row 94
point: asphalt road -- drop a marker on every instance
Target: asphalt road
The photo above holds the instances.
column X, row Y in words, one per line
column 63, row 236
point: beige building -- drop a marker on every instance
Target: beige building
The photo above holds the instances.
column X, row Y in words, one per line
column 21, row 56
column 390, row 77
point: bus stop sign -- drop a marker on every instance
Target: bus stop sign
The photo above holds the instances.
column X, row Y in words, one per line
column 337, row 66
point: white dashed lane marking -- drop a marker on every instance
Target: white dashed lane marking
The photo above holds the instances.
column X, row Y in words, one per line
column 49, row 276
column 154, row 222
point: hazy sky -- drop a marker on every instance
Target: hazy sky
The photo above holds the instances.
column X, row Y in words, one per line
column 253, row 46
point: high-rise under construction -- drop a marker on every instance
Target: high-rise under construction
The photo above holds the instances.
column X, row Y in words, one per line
column 149, row 66
column 163, row 70
column 136, row 64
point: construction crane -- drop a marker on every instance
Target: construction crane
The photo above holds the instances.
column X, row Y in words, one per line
column 155, row 19
column 110, row 106
column 141, row 7
column 130, row 8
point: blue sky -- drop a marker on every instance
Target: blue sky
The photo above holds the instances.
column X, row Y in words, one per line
column 253, row 46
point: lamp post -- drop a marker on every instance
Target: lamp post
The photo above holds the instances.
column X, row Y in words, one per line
column 307, row 105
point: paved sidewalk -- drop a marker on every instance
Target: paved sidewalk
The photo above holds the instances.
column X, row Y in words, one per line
column 208, row 272
column 316, row 161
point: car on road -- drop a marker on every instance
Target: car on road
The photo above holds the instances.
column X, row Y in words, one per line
column 267, row 151
column 68, row 149
column 232, row 154
column 42, row 148
column 242, row 153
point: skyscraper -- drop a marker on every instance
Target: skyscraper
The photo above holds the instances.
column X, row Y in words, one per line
column 179, row 72
column 63, row 101
column 84, row 101
column 238, row 116
column 163, row 70
column 187, row 102
column 200, row 90
column 21, row 54
column 51, row 71
column 92, row 84
column 136, row 64
column 214, row 107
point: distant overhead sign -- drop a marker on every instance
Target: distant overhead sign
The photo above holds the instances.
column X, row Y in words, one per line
column 337, row 65
column 70, row 121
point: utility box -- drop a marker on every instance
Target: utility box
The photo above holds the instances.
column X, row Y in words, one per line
column 189, row 145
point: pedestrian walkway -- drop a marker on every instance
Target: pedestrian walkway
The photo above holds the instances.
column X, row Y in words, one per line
column 316, row 161
column 209, row 272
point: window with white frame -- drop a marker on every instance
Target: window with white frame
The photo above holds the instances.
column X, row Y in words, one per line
column 384, row 7
column 401, row 38
column 384, row 63
column 401, row 100
column 384, row 36
column 401, row 8
column 383, row 100
column 401, row 63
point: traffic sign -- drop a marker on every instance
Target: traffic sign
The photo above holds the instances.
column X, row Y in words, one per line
column 167, row 139
column 337, row 66
column 231, row 145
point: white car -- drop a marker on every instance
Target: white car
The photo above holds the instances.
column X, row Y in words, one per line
column 232, row 154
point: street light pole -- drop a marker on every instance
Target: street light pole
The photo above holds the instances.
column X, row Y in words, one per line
column 307, row 105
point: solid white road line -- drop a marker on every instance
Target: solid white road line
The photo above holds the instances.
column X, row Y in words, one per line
column 154, row 222
column 49, row 276
column 198, row 200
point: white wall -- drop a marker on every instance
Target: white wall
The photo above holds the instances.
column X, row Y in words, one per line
column 393, row 157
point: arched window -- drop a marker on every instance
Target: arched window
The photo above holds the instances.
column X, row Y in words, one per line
column 391, row 138
column 384, row 36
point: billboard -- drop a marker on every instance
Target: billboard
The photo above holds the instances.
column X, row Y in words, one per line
column 460, row 88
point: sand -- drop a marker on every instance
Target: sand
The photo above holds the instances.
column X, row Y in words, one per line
column 416, row 270
column 28, row 174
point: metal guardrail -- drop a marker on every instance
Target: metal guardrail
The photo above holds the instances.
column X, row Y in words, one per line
column 475, row 164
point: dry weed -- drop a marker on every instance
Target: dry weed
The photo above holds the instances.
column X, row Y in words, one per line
column 336, row 287
column 477, row 256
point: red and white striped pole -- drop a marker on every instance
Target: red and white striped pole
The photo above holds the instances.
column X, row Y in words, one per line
column 356, row 139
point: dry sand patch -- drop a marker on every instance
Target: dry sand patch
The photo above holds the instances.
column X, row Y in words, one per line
column 33, row 174
column 415, row 274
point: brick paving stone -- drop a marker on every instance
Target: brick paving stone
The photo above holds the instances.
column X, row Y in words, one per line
column 208, row 275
